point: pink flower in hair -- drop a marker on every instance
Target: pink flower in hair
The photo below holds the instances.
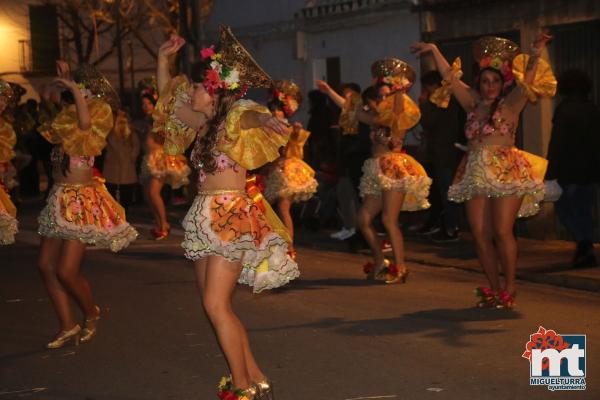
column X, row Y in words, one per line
column 207, row 52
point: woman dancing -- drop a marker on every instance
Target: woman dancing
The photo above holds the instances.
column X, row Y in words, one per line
column 229, row 236
column 79, row 210
column 497, row 181
column 290, row 180
column 8, row 139
column 392, row 181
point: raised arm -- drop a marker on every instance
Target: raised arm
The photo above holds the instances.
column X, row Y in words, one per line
column 536, row 52
column 165, row 51
column 460, row 90
column 333, row 95
column 83, row 113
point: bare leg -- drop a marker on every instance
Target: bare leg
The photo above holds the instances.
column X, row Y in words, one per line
column 154, row 188
column 283, row 208
column 480, row 220
column 504, row 213
column 369, row 209
column 218, row 277
column 392, row 205
column 69, row 274
column 47, row 264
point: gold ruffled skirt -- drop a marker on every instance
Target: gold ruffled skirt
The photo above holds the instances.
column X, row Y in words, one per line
column 88, row 213
column 174, row 170
column 229, row 224
column 398, row 172
column 291, row 178
column 8, row 221
column 498, row 171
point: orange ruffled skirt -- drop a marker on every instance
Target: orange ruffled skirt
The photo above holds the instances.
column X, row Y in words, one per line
column 229, row 224
column 399, row 172
column 498, row 171
column 88, row 213
column 8, row 221
column 292, row 178
column 174, row 170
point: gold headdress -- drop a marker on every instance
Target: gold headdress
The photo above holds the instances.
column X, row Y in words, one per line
column 495, row 48
column 237, row 57
column 497, row 53
column 394, row 72
column 91, row 79
column 6, row 91
column 288, row 96
column 232, row 68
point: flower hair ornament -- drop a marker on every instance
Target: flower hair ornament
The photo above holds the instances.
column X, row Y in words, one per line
column 286, row 95
column 231, row 68
column 394, row 72
column 498, row 54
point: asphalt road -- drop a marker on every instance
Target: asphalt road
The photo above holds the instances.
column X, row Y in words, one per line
column 330, row 335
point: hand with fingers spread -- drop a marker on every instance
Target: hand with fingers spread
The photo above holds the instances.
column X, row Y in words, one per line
column 65, row 84
column 542, row 40
column 274, row 124
column 170, row 47
column 420, row 48
column 62, row 69
column 323, row 86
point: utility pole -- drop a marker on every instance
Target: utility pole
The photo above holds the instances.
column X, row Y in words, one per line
column 132, row 109
column 120, row 50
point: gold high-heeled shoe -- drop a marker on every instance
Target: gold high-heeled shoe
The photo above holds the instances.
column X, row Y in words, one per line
column 265, row 390
column 64, row 336
column 401, row 277
column 88, row 333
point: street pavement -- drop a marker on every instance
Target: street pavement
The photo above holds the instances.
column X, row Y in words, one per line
column 329, row 335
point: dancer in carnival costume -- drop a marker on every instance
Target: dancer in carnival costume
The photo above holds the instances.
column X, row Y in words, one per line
column 8, row 139
column 231, row 235
column 497, row 181
column 290, row 180
column 392, row 181
column 159, row 168
column 79, row 209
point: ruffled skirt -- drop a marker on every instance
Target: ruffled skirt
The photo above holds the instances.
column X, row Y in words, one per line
column 174, row 170
column 498, row 171
column 8, row 222
column 87, row 213
column 291, row 178
column 229, row 224
column 398, row 172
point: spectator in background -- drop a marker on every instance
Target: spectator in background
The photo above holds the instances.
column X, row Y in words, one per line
column 353, row 150
column 573, row 160
column 321, row 143
column 122, row 151
column 442, row 128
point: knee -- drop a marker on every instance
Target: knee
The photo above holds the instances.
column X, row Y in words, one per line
column 67, row 278
column 390, row 222
column 214, row 308
column 503, row 234
column 363, row 220
column 46, row 268
column 482, row 238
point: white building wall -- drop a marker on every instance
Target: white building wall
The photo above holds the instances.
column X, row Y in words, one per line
column 14, row 26
column 269, row 31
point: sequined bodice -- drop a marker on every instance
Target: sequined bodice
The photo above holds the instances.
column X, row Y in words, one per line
column 75, row 162
column 502, row 125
